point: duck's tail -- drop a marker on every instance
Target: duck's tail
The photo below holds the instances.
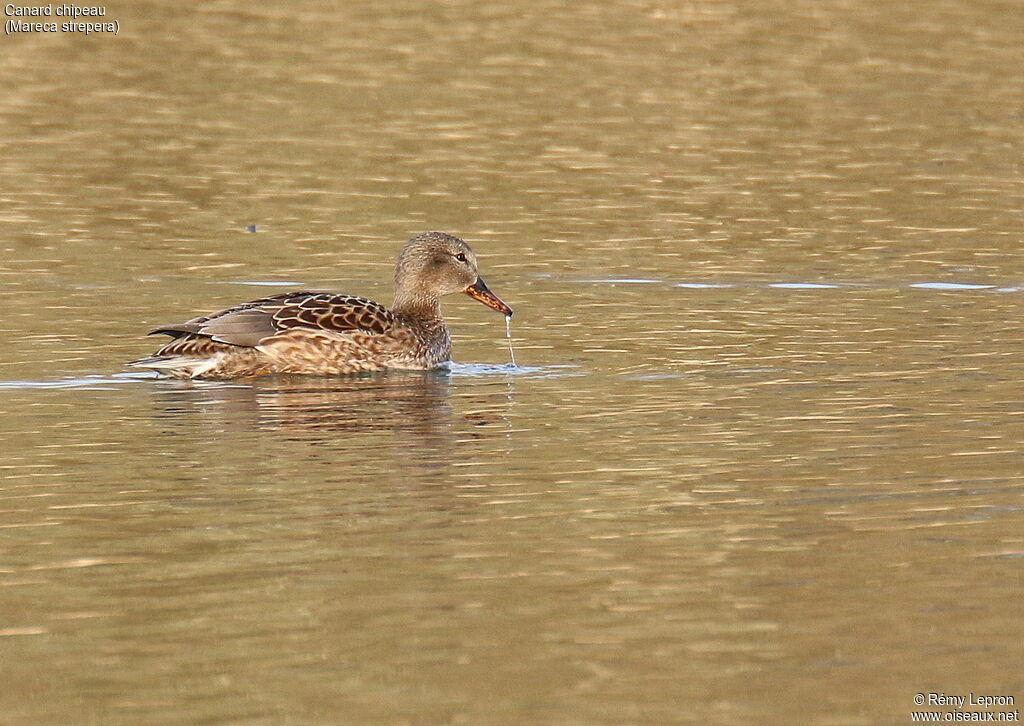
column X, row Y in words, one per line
column 178, row 366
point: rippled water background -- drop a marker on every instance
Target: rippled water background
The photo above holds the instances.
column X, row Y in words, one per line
column 762, row 461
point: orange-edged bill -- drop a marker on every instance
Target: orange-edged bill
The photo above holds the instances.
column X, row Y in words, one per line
column 478, row 291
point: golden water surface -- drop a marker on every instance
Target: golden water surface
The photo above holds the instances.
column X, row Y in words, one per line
column 761, row 461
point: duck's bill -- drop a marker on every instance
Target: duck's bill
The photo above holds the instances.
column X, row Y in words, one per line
column 478, row 291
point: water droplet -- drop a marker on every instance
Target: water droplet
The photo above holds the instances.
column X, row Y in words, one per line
column 508, row 334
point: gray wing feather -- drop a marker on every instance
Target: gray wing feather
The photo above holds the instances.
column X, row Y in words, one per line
column 246, row 327
column 242, row 327
column 244, row 324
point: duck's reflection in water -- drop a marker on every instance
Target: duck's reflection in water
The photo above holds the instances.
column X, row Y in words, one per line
column 415, row 401
column 400, row 416
column 303, row 422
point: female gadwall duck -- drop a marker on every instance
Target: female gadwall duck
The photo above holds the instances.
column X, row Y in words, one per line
column 321, row 333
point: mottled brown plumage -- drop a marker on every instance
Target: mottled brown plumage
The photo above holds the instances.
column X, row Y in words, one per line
column 324, row 333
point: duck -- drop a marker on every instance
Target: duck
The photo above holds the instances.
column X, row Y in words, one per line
column 330, row 334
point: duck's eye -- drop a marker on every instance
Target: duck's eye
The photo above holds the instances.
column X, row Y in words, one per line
column 461, row 257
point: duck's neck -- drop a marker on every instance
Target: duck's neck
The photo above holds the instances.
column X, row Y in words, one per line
column 417, row 307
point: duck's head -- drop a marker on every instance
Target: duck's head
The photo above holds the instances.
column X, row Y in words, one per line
column 434, row 264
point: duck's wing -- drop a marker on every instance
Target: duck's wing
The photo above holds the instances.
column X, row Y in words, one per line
column 249, row 323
